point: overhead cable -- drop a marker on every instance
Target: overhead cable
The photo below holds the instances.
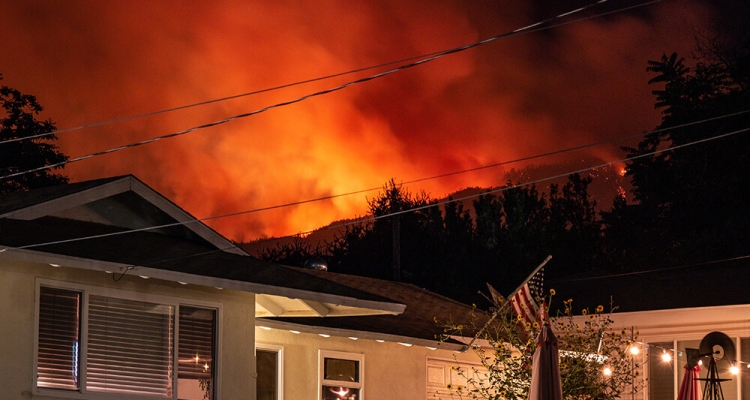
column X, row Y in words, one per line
column 288, row 85
column 438, row 55
column 374, row 218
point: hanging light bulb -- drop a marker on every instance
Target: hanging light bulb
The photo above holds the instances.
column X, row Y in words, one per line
column 666, row 357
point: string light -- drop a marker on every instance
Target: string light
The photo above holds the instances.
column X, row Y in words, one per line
column 734, row 370
column 666, row 357
column 634, row 350
column 607, row 371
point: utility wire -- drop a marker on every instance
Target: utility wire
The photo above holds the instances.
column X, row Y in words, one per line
column 523, row 30
column 374, row 218
column 288, row 85
column 236, row 96
column 700, row 264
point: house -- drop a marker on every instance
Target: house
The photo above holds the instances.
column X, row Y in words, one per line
column 97, row 304
column 384, row 356
column 669, row 311
column 112, row 291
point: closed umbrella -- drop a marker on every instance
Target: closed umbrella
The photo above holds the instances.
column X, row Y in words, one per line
column 545, row 373
column 690, row 387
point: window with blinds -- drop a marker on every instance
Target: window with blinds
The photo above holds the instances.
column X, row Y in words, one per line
column 131, row 346
column 196, row 353
column 59, row 335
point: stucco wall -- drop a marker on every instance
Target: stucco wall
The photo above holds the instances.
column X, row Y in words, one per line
column 391, row 370
column 17, row 300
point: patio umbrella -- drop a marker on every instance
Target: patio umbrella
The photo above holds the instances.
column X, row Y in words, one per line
column 545, row 373
column 690, row 388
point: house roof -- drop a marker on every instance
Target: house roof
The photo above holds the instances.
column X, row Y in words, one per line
column 122, row 201
column 111, row 212
column 705, row 285
column 416, row 325
column 20, row 200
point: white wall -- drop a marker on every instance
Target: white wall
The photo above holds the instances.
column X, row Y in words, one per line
column 391, row 370
column 17, row 301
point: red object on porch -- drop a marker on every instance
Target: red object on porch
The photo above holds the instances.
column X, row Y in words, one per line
column 690, row 388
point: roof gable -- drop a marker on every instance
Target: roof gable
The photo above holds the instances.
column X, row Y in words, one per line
column 123, row 202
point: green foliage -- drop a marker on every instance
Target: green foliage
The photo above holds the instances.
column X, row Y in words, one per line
column 588, row 344
column 20, row 122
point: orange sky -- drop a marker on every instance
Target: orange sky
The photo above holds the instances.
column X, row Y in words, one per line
column 93, row 61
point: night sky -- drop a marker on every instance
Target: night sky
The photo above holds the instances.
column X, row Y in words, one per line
column 94, row 61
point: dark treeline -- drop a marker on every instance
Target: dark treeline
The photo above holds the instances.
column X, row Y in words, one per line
column 690, row 204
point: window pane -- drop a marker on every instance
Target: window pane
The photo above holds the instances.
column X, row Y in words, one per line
column 745, row 355
column 59, row 327
column 196, row 353
column 267, row 367
column 661, row 377
column 340, row 393
column 129, row 347
column 341, row 370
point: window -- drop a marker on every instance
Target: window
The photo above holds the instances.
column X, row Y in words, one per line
column 269, row 364
column 341, row 375
column 660, row 375
column 96, row 342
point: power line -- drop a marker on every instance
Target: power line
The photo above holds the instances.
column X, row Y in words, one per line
column 700, row 264
column 288, row 85
column 524, row 30
column 374, row 218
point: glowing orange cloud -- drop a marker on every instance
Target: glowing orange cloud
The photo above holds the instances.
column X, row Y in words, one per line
column 91, row 61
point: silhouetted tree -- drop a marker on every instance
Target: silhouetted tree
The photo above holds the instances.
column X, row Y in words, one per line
column 28, row 154
column 690, row 203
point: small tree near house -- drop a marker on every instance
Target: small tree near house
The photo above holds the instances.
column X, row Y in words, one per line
column 595, row 361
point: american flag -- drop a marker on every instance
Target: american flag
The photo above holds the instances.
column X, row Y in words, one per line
column 527, row 298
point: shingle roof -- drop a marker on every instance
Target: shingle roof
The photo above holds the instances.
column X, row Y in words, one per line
column 163, row 252
column 417, row 321
column 18, row 200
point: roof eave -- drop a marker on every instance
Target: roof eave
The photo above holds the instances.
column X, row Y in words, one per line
column 367, row 307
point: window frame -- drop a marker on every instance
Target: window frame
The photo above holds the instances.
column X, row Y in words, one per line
column 341, row 355
column 86, row 290
column 279, row 350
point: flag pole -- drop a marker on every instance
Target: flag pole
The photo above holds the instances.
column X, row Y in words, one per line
column 497, row 309
column 531, row 275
